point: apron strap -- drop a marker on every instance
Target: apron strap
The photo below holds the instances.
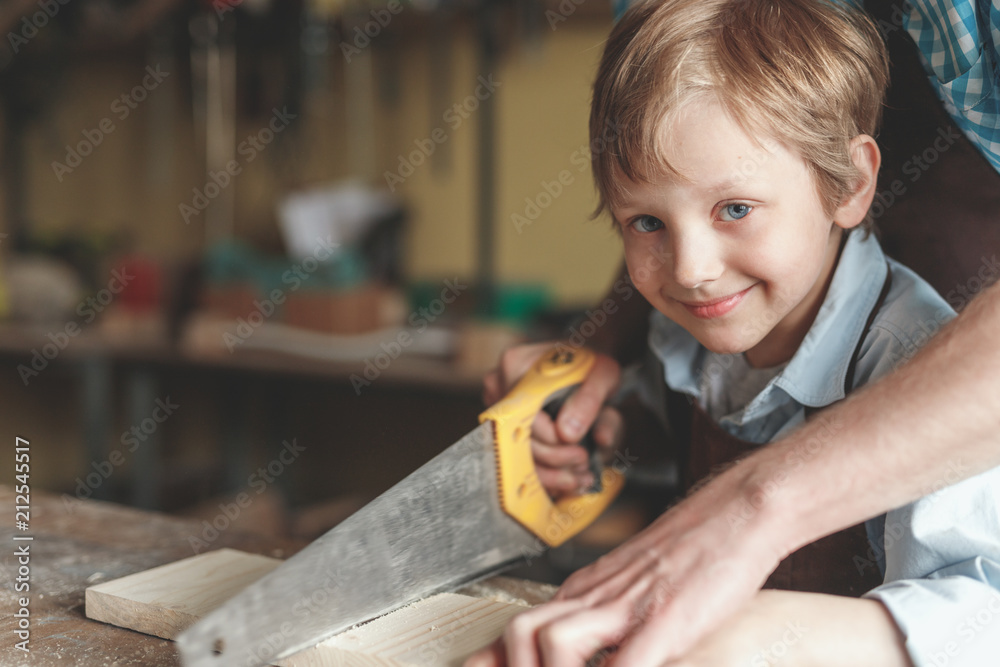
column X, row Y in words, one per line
column 853, row 365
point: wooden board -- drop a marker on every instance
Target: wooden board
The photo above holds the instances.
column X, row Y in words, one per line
column 166, row 600
column 440, row 630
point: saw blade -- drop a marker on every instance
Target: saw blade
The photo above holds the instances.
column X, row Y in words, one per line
column 440, row 527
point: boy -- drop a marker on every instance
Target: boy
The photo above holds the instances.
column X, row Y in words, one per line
column 741, row 176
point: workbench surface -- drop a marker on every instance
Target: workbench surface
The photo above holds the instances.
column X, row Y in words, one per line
column 82, row 542
column 78, row 543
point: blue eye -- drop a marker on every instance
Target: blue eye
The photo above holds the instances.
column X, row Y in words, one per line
column 646, row 224
column 732, row 212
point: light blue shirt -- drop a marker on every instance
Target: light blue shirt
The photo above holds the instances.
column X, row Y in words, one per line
column 940, row 554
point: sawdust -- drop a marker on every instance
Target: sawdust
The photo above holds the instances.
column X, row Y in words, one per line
column 510, row 591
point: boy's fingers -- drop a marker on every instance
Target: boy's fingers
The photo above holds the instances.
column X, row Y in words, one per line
column 559, row 456
column 582, row 408
column 560, row 481
column 561, row 468
column 515, row 362
column 543, row 430
column 573, row 640
column 521, row 636
column 609, row 431
column 491, row 388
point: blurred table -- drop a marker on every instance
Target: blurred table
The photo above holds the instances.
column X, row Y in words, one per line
column 98, row 359
column 80, row 543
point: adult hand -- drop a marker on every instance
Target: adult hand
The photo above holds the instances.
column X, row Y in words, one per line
column 660, row 593
column 562, row 464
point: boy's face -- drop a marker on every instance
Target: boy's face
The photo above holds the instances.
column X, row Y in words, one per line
column 740, row 251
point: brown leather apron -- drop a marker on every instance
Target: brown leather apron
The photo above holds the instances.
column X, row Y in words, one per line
column 825, row 566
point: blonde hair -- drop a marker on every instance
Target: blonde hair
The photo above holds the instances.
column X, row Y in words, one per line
column 810, row 74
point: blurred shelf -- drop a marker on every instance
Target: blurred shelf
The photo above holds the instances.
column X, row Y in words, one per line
column 406, row 371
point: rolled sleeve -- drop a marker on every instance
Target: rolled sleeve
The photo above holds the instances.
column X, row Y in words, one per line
column 951, row 618
column 942, row 559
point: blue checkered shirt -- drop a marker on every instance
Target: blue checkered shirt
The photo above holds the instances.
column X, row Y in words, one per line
column 959, row 42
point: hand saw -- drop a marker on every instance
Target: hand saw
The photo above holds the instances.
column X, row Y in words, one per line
column 473, row 510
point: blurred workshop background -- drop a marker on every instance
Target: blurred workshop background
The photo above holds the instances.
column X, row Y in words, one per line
column 272, row 246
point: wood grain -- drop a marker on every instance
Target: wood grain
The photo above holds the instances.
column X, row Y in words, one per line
column 441, row 630
column 165, row 600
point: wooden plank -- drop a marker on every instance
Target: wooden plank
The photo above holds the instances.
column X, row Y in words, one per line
column 165, row 600
column 440, row 630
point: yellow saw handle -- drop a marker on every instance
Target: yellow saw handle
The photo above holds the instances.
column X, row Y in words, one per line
column 521, row 493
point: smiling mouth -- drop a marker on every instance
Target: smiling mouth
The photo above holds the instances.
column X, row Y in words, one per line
column 707, row 310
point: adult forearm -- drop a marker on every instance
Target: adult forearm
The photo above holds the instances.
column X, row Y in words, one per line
column 786, row 629
column 932, row 423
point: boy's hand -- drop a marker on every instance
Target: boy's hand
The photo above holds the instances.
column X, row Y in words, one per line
column 562, row 464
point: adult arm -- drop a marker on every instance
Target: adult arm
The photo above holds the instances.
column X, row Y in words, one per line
column 935, row 421
column 785, row 629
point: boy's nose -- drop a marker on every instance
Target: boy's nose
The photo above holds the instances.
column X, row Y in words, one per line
column 696, row 261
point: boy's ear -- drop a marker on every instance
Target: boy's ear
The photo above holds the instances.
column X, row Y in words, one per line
column 867, row 159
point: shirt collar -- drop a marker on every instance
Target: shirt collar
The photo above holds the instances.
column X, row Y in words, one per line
column 815, row 374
